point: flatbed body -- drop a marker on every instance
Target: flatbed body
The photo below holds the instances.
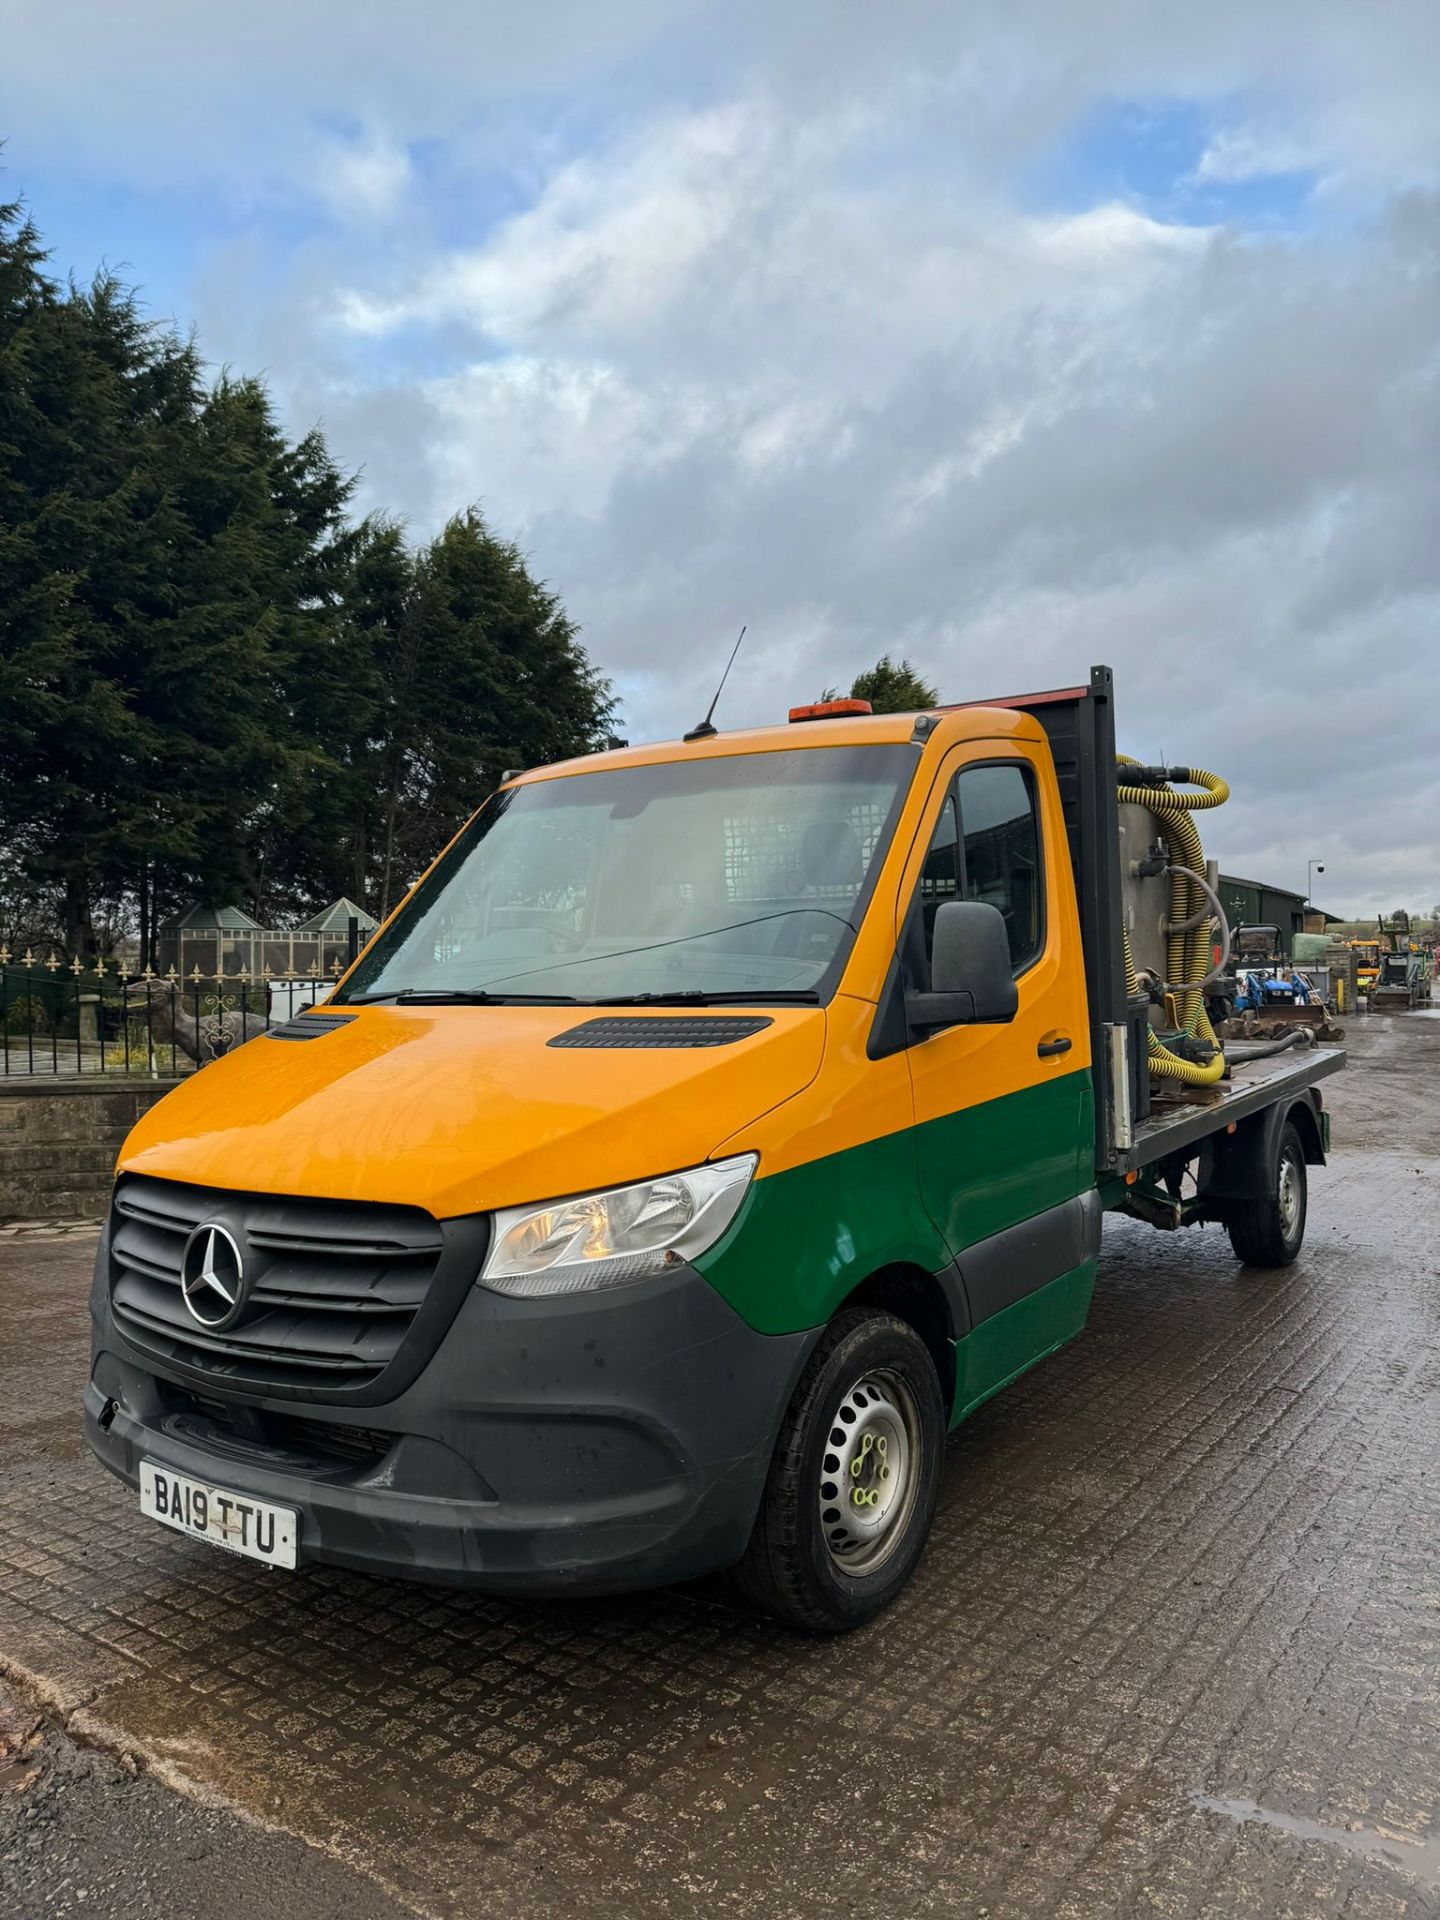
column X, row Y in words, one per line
column 1177, row 1124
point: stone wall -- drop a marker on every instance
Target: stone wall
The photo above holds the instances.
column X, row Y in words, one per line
column 58, row 1142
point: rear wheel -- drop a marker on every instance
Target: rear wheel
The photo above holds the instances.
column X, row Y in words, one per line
column 852, row 1487
column 1269, row 1231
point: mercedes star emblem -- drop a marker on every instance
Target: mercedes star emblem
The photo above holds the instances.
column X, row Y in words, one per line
column 212, row 1277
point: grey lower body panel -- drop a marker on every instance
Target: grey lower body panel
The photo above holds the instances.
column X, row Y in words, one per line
column 596, row 1443
column 1021, row 1259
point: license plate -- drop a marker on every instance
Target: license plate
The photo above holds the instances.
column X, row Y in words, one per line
column 236, row 1521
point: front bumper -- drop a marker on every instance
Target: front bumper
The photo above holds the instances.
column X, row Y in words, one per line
column 593, row 1444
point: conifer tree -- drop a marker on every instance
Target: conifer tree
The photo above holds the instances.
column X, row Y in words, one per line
column 890, row 687
column 213, row 686
column 485, row 673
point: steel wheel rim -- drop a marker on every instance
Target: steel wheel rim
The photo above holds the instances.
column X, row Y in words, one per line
column 869, row 1473
column 1289, row 1197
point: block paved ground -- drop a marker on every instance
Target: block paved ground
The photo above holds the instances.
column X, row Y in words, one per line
column 1175, row 1649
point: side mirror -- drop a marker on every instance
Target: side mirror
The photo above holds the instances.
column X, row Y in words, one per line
column 972, row 980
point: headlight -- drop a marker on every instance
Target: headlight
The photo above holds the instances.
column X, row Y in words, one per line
column 605, row 1239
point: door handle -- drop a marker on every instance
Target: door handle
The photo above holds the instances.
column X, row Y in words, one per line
column 1057, row 1043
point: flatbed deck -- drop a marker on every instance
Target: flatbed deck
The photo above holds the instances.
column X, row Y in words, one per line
column 1253, row 1084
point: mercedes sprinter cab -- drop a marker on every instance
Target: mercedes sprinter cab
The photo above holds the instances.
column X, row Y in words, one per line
column 709, row 1130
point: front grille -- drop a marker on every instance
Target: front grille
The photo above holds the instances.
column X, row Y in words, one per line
column 345, row 1299
column 348, row 1446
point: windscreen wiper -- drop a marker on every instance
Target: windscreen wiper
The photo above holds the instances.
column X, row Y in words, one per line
column 701, row 997
column 462, row 997
column 482, row 997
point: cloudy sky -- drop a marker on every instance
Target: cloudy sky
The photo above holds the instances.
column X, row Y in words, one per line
column 1011, row 337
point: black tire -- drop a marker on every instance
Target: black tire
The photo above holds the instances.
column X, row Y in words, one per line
column 868, row 1366
column 1270, row 1231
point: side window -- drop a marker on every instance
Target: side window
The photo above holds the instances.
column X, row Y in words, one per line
column 1001, row 860
column 940, row 875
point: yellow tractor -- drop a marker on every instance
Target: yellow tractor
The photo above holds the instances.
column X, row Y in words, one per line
column 1367, row 964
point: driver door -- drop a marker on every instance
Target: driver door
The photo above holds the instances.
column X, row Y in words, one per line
column 1004, row 1130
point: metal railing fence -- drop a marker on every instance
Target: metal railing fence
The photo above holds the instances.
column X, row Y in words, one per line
column 60, row 1018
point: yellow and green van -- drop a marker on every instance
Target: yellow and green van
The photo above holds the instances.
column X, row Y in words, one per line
column 714, row 1125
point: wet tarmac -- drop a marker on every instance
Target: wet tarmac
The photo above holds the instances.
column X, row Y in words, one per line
column 1175, row 1649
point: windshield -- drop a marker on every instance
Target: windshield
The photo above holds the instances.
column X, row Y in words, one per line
column 741, row 876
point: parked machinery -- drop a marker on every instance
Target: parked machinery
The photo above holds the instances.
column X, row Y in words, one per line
column 1398, row 976
column 1403, row 978
column 1367, row 964
column 1268, row 996
column 1280, row 990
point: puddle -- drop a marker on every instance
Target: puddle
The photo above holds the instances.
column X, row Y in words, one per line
column 1420, row 1859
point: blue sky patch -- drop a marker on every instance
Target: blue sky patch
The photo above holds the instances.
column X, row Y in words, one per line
column 1147, row 153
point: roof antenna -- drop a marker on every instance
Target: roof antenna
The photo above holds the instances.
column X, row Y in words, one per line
column 707, row 729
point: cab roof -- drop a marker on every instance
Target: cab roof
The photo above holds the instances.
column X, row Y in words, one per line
column 944, row 728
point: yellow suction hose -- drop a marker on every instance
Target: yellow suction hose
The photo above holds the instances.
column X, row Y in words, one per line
column 1187, row 953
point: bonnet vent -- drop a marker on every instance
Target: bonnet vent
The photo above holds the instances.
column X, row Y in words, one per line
column 308, row 1026
column 652, row 1030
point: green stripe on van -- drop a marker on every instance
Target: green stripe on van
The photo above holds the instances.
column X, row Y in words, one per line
column 1005, row 1345
column 807, row 1237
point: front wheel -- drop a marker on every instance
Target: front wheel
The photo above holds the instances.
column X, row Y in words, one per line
column 1269, row 1231
column 852, row 1487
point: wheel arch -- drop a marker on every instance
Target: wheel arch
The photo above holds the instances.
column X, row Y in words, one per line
column 1242, row 1163
column 923, row 1302
column 1307, row 1124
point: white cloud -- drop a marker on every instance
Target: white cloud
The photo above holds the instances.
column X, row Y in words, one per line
column 1253, row 153
column 1110, row 235
column 364, row 179
column 611, row 243
column 537, row 420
